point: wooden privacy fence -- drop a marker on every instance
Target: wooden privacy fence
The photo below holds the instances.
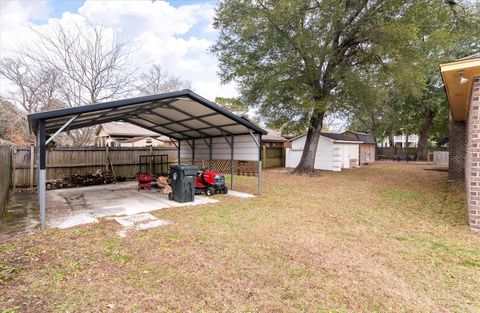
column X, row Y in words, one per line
column 440, row 157
column 273, row 157
column 5, row 175
column 390, row 152
column 67, row 161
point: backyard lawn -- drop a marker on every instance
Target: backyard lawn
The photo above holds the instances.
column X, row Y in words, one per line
column 385, row 237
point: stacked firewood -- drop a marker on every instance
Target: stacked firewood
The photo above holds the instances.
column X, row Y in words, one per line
column 164, row 184
column 98, row 178
column 77, row 180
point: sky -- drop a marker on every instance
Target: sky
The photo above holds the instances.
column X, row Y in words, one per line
column 175, row 34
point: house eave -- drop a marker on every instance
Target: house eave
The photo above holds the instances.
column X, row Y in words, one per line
column 459, row 93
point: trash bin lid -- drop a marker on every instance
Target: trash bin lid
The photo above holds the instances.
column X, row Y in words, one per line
column 188, row 170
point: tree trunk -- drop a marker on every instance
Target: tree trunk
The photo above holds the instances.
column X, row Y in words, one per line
column 391, row 141
column 307, row 161
column 422, row 149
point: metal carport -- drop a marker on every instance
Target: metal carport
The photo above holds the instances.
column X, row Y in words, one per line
column 182, row 115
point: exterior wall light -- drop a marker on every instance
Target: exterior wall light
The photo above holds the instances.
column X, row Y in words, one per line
column 463, row 80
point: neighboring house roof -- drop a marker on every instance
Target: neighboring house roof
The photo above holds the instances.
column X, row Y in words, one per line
column 366, row 138
column 134, row 139
column 334, row 136
column 165, row 138
column 126, row 129
column 273, row 136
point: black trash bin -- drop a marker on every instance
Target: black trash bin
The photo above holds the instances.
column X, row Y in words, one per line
column 183, row 182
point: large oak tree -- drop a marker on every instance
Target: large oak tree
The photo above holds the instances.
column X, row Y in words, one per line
column 294, row 60
column 289, row 58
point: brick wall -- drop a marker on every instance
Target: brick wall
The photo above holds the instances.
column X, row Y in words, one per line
column 472, row 164
column 457, row 148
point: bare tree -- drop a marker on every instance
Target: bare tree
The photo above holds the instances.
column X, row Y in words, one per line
column 92, row 65
column 35, row 86
column 156, row 80
column 13, row 124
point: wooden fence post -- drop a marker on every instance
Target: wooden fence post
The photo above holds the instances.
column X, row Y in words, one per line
column 12, row 167
column 151, row 169
column 106, row 159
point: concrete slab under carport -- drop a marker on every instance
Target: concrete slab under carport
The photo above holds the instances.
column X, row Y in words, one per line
column 77, row 206
column 71, row 207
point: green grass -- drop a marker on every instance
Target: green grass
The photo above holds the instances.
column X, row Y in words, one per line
column 8, row 248
column 383, row 238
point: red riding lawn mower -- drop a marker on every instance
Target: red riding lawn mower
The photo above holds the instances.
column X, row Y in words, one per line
column 144, row 180
column 210, row 183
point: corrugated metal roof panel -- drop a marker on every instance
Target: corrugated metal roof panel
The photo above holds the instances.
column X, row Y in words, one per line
column 168, row 114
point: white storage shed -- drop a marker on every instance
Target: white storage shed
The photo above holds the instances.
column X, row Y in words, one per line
column 334, row 152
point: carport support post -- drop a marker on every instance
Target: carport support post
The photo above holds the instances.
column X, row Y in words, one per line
column 210, row 155
column 231, row 162
column 258, row 141
column 178, row 148
column 42, row 160
column 193, row 151
column 259, row 184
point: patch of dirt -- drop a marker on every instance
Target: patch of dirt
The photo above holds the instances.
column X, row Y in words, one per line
column 75, row 202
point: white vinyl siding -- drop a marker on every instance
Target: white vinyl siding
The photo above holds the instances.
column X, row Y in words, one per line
column 349, row 152
column 244, row 149
column 331, row 155
column 327, row 157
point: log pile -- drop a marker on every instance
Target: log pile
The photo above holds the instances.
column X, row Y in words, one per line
column 88, row 179
column 164, row 184
column 77, row 180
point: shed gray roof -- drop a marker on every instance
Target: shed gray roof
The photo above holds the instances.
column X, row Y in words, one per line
column 333, row 136
column 338, row 137
column 366, row 138
column 180, row 115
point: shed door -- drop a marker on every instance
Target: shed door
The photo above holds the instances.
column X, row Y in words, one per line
column 363, row 154
column 273, row 157
column 346, row 156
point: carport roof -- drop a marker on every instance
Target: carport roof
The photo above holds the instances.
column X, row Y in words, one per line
column 180, row 115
